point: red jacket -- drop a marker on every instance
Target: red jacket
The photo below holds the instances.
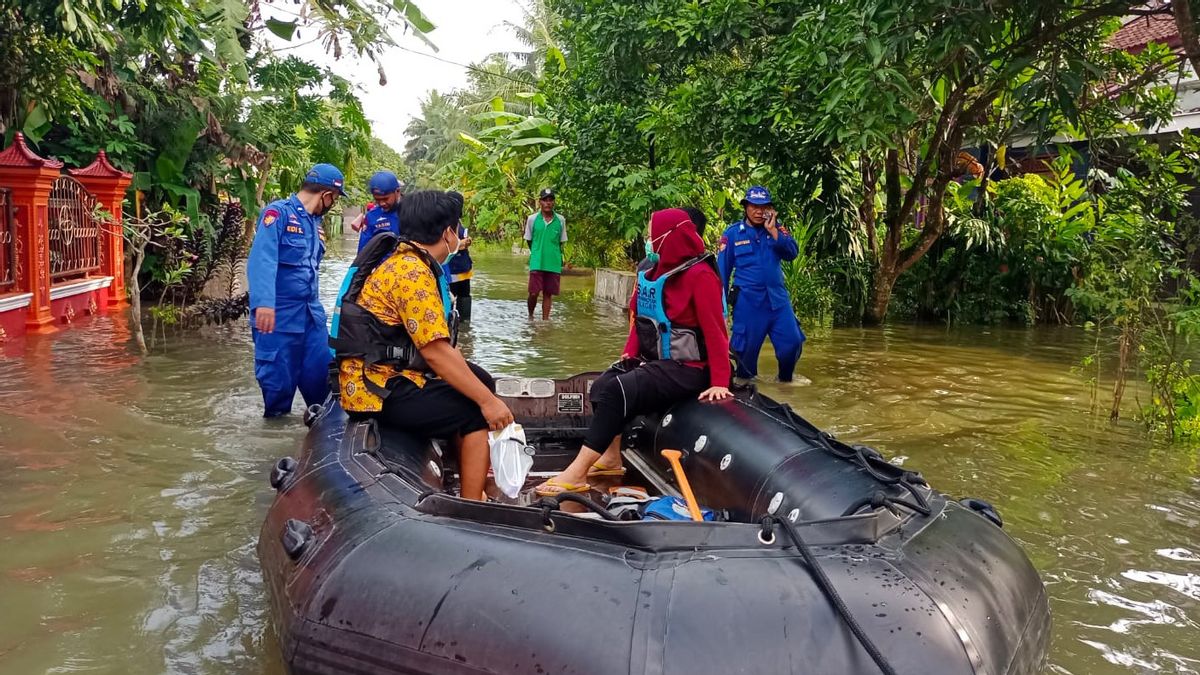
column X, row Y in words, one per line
column 691, row 298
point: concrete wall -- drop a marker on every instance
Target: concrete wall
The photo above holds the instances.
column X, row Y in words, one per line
column 614, row 286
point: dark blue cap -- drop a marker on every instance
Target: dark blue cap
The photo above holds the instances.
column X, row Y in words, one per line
column 384, row 183
column 757, row 195
column 327, row 174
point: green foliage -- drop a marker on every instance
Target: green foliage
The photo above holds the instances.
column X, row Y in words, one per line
column 492, row 140
column 191, row 96
column 848, row 111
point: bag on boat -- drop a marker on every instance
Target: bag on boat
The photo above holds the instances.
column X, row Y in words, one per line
column 511, row 460
column 672, row 508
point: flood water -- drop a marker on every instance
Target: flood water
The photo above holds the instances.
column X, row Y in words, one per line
column 133, row 488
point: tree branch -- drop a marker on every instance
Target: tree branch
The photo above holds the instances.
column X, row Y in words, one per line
column 936, row 141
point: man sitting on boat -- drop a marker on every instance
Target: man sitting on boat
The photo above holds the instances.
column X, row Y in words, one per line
column 677, row 347
column 393, row 339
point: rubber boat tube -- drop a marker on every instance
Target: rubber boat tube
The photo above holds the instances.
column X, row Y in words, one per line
column 372, row 567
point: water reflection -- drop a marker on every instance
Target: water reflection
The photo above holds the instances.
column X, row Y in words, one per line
column 134, row 487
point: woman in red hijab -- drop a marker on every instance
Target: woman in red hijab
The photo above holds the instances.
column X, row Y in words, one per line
column 678, row 347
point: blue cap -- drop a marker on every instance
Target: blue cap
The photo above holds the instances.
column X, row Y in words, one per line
column 384, row 183
column 327, row 174
column 757, row 195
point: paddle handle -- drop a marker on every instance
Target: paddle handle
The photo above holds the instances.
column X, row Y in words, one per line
column 694, row 509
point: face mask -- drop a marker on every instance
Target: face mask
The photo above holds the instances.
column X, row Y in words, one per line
column 651, row 244
column 651, row 254
column 453, row 250
column 323, row 209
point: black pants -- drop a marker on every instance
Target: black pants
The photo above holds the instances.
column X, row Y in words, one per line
column 436, row 410
column 462, row 298
column 618, row 396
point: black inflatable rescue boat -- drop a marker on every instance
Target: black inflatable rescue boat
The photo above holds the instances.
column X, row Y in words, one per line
column 825, row 559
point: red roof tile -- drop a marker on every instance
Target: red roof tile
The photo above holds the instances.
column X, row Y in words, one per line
column 100, row 167
column 19, row 154
column 1135, row 35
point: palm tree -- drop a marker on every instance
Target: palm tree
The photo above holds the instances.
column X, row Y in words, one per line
column 435, row 136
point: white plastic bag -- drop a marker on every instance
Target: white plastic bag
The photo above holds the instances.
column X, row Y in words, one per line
column 511, row 460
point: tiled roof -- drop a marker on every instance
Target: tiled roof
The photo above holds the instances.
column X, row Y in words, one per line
column 19, row 154
column 101, row 168
column 1142, row 30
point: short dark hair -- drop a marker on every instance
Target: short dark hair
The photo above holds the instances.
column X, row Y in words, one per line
column 425, row 215
column 698, row 219
column 315, row 188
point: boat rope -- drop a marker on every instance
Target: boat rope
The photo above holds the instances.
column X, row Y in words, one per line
column 551, row 504
column 827, row 588
column 867, row 458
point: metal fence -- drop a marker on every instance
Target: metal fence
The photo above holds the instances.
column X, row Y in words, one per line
column 74, row 230
column 8, row 242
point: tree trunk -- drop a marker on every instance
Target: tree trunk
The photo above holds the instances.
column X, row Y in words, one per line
column 882, row 283
column 135, row 298
column 1124, row 351
column 1185, row 23
column 866, row 208
column 888, row 254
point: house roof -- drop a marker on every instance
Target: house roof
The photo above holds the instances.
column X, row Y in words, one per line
column 1142, row 30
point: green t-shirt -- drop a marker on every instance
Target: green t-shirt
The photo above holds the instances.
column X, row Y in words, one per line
column 545, row 242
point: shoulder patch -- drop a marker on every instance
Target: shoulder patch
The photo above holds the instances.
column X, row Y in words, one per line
column 723, row 244
column 784, row 230
column 270, row 216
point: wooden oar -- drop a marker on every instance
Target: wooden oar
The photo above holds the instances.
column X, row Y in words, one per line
column 693, row 508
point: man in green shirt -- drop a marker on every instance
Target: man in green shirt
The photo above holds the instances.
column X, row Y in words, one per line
column 545, row 232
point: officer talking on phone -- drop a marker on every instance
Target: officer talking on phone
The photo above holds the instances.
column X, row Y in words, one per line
column 750, row 256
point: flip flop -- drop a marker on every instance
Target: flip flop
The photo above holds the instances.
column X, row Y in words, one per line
column 555, row 486
column 599, row 469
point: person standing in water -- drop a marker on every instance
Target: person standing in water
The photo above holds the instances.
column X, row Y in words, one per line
column 751, row 254
column 545, row 233
column 461, row 268
column 677, row 348
column 383, row 214
column 286, row 317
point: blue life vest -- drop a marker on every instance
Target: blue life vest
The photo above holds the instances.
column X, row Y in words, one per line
column 658, row 338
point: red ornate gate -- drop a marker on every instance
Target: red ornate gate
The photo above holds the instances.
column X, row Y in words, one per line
column 74, row 230
column 8, row 242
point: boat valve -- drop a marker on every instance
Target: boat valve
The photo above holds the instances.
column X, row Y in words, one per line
column 281, row 471
column 984, row 509
column 296, row 535
column 312, row 412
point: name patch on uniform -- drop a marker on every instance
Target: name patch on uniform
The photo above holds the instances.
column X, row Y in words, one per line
column 295, row 229
column 741, row 243
column 270, row 216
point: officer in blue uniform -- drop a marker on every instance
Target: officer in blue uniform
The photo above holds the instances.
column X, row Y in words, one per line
column 291, row 348
column 384, row 214
column 751, row 252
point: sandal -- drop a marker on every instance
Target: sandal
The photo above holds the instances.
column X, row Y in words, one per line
column 599, row 469
column 555, row 486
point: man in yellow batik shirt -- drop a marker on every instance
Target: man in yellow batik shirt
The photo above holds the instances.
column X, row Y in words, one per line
column 424, row 385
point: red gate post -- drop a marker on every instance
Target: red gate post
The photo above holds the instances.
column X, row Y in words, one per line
column 109, row 184
column 30, row 177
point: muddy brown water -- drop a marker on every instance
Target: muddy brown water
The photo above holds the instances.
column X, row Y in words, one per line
column 133, row 488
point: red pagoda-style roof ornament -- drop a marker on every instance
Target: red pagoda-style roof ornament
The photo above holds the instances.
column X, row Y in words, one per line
column 100, row 168
column 18, row 154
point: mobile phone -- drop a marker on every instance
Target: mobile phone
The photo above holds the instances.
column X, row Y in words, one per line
column 466, row 233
